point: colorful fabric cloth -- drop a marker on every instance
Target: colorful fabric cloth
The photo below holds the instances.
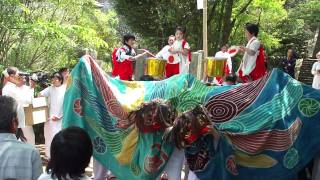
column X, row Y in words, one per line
column 266, row 126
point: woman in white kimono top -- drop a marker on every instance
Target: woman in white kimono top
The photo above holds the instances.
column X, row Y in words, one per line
column 316, row 72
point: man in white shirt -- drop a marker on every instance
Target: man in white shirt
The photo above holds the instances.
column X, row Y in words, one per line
column 17, row 159
column 164, row 53
column 16, row 89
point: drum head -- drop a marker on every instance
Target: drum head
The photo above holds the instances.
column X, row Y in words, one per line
column 233, row 50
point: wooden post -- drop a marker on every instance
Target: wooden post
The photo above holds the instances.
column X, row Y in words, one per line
column 205, row 36
column 205, row 28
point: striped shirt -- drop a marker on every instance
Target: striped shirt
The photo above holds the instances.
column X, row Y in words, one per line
column 17, row 159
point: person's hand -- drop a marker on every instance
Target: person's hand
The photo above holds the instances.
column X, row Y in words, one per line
column 32, row 84
column 242, row 49
column 132, row 58
column 55, row 118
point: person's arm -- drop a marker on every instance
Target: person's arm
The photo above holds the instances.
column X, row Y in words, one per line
column 36, row 165
column 313, row 70
column 121, row 55
column 252, row 49
column 7, row 91
column 44, row 93
column 185, row 49
column 164, row 50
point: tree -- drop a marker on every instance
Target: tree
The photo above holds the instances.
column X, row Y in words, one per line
column 45, row 35
column 156, row 20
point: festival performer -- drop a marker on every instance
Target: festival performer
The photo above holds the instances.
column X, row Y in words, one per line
column 164, row 53
column 15, row 87
column 55, row 94
column 316, row 72
column 122, row 59
column 187, row 128
column 252, row 66
column 179, row 62
column 223, row 53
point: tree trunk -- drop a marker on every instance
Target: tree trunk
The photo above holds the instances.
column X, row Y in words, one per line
column 317, row 45
column 227, row 25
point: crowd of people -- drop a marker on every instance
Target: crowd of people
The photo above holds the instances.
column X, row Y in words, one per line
column 21, row 160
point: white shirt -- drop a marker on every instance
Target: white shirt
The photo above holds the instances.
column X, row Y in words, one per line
column 18, row 160
column 122, row 53
column 164, row 53
column 55, row 96
column 46, row 176
column 179, row 57
column 248, row 60
column 316, row 79
column 23, row 95
column 221, row 54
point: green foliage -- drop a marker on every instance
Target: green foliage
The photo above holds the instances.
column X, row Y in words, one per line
column 156, row 20
column 45, row 35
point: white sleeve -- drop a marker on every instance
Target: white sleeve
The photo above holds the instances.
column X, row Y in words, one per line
column 219, row 54
column 187, row 46
column 254, row 46
column 7, row 91
column 26, row 95
column 163, row 51
column 121, row 55
column 45, row 92
column 313, row 70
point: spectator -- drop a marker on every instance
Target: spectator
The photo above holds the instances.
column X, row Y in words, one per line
column 316, row 72
column 17, row 159
column 15, row 87
column 71, row 151
column 55, row 94
column 65, row 74
column 289, row 64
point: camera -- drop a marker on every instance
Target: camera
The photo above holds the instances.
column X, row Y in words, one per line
column 41, row 78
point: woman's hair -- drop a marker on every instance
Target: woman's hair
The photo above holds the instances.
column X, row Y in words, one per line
column 71, row 150
column 127, row 37
column 252, row 29
column 294, row 54
column 182, row 29
column 57, row 75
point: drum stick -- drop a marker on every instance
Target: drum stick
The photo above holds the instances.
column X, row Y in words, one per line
column 148, row 52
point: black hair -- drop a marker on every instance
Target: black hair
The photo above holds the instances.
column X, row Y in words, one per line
column 71, row 150
column 252, row 29
column 294, row 53
column 12, row 70
column 147, row 78
column 182, row 29
column 231, row 78
column 8, row 109
column 61, row 70
column 127, row 37
column 57, row 75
